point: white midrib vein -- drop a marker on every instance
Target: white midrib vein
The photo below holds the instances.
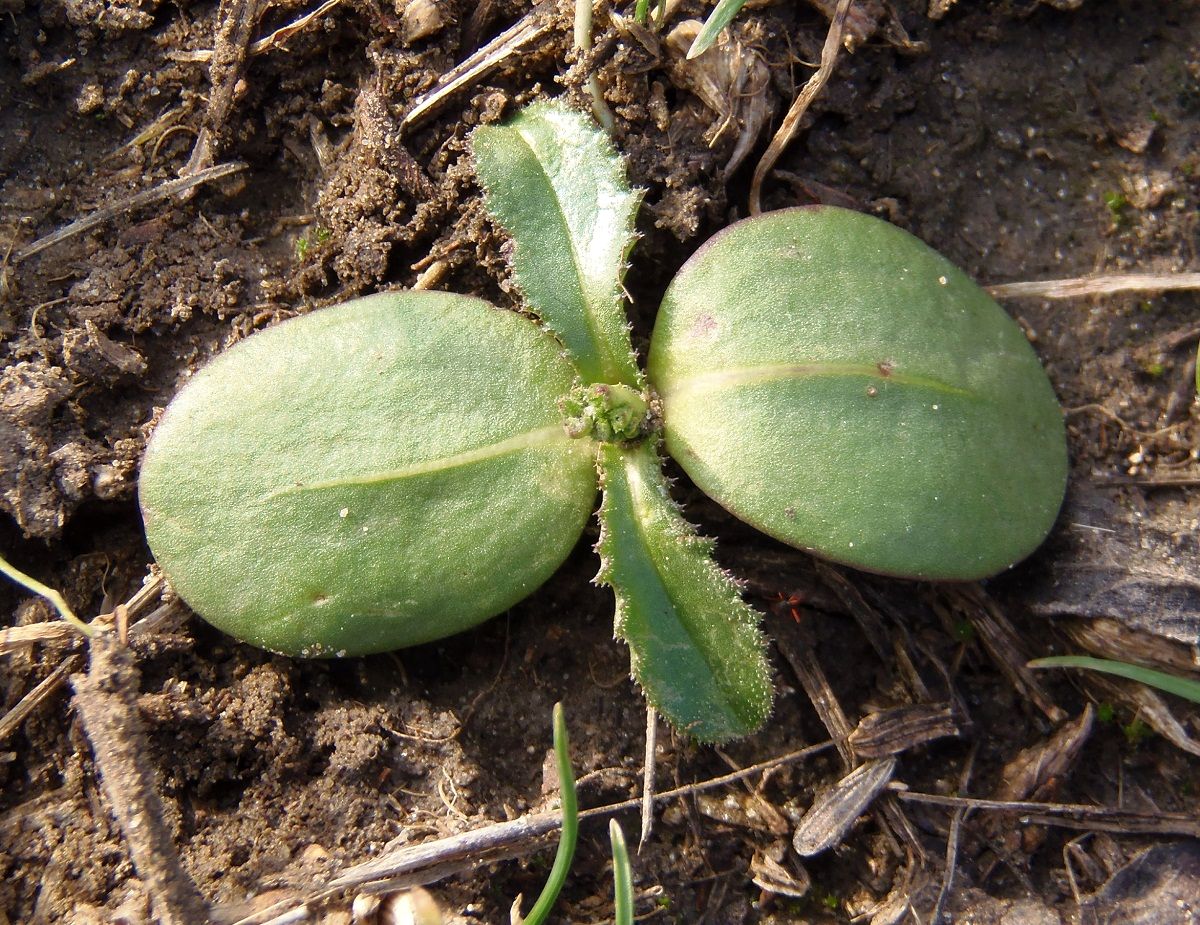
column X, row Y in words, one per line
column 533, row 439
column 755, row 375
column 607, row 370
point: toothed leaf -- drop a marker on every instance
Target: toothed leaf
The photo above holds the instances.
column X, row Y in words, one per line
column 369, row 476
column 555, row 183
column 694, row 644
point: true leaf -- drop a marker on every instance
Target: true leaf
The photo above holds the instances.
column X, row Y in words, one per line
column 370, row 476
column 694, row 644
column 553, row 180
column 836, row 383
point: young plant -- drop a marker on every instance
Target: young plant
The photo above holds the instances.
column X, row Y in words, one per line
column 570, row 829
column 401, row 467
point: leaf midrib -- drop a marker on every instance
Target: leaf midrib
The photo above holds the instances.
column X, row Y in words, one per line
column 533, row 439
column 739, row 377
column 579, row 280
column 629, row 467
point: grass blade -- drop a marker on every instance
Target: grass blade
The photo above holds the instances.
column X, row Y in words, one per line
column 1172, row 684
column 717, row 20
column 570, row 826
column 622, row 876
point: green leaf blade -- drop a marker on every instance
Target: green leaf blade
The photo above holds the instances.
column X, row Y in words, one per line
column 695, row 646
column 569, row 796
column 721, row 16
column 1188, row 688
column 368, row 476
column 836, row 383
column 555, row 183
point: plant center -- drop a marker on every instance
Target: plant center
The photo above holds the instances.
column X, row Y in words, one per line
column 609, row 413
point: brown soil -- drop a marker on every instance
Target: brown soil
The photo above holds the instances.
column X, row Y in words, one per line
column 1023, row 141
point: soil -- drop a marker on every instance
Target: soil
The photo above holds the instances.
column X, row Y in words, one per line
column 1024, row 140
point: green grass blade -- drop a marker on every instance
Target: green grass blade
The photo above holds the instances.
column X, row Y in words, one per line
column 570, row 825
column 558, row 186
column 694, row 644
column 717, row 20
column 622, row 876
column 1172, row 684
column 57, row 600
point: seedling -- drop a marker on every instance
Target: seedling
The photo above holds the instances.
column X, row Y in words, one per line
column 401, row 467
column 570, row 829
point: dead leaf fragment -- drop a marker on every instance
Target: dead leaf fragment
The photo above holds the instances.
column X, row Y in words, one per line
column 835, row 811
column 768, row 874
column 731, row 79
column 1034, row 773
column 1160, row 885
column 889, row 732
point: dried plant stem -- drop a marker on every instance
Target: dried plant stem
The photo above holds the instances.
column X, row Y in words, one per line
column 56, row 599
column 791, row 122
column 648, row 775
column 127, row 204
column 1070, row 815
column 104, row 698
column 1084, row 286
column 583, row 44
column 11, row 721
column 425, row 863
column 526, row 33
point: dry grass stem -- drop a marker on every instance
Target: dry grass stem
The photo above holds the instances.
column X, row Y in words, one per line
column 1070, row 815
column 1084, row 286
column 956, row 824
column 648, row 768
column 531, row 29
column 414, row 865
column 127, row 204
column 791, row 122
column 999, row 637
column 11, row 721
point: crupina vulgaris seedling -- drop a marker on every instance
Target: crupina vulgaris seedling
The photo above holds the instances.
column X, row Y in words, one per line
column 401, row 467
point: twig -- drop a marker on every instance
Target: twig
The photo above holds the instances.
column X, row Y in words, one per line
column 52, row 632
column 648, row 767
column 1070, row 815
column 791, row 122
column 236, row 20
column 956, row 824
column 526, row 32
column 276, row 39
column 105, row 701
column 1083, row 286
column 583, row 44
column 12, row 720
column 425, row 863
column 137, row 200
